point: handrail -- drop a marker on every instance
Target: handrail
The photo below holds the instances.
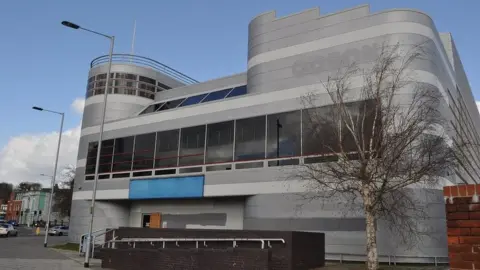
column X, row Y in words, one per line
column 145, row 62
column 94, row 238
column 197, row 240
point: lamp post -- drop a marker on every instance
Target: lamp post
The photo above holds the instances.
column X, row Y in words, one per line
column 100, row 136
column 54, row 169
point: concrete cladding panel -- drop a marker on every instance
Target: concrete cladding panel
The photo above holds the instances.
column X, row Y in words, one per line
column 108, row 214
column 344, row 225
column 278, row 53
column 216, row 213
column 118, row 107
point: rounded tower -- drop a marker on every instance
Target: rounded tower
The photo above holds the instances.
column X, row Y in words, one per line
column 134, row 81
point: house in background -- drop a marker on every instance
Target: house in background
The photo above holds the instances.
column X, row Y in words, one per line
column 13, row 208
column 34, row 207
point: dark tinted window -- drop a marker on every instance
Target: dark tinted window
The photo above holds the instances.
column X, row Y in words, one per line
column 288, row 141
column 91, row 158
column 152, row 108
column 127, row 76
column 146, row 79
column 106, row 157
column 101, row 76
column 166, row 87
column 167, row 149
column 122, row 159
column 250, row 138
column 216, row 95
column 238, row 91
column 171, row 104
column 220, row 142
column 318, row 131
column 193, row 100
column 192, row 145
column 144, row 150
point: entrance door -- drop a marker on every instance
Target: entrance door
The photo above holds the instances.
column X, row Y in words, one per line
column 146, row 221
column 155, row 220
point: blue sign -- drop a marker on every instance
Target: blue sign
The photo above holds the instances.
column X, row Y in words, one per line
column 167, row 188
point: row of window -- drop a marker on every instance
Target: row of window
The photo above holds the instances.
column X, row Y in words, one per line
column 288, row 134
column 122, row 91
column 125, row 83
column 201, row 98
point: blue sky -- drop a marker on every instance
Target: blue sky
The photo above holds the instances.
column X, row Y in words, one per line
column 46, row 64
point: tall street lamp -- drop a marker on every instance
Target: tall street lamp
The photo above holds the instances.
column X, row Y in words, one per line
column 100, row 136
column 54, row 169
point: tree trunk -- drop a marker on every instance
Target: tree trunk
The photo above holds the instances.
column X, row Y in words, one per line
column 371, row 230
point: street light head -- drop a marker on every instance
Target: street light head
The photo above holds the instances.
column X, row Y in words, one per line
column 71, row 25
column 37, row 108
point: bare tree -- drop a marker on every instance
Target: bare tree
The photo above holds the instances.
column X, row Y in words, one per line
column 382, row 134
column 62, row 200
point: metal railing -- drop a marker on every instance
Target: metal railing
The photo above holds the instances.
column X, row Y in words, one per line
column 145, row 62
column 132, row 241
column 98, row 239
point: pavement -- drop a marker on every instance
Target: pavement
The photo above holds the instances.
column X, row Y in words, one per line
column 26, row 252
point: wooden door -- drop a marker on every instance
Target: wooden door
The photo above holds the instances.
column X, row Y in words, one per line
column 155, row 220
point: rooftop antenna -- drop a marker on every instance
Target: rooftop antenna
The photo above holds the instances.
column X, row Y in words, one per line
column 133, row 40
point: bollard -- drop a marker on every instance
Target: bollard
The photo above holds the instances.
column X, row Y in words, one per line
column 37, row 231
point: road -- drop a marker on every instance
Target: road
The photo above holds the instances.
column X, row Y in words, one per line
column 26, row 252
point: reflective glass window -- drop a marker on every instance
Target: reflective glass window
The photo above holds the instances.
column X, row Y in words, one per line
column 192, row 145
column 238, row 91
column 152, row 108
column 146, row 94
column 163, row 86
column 144, row 150
column 250, row 138
column 318, row 131
column 127, row 76
column 105, row 164
column 122, row 155
column 287, row 143
column 216, row 95
column 147, row 87
column 91, row 158
column 171, row 104
column 321, row 133
column 146, row 79
column 219, row 142
column 193, row 100
column 166, row 154
column 101, row 76
column 91, row 79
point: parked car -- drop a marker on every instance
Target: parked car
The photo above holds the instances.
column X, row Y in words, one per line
column 7, row 230
column 13, row 223
column 58, row 230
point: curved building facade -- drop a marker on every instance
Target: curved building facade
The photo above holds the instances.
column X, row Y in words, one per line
column 207, row 155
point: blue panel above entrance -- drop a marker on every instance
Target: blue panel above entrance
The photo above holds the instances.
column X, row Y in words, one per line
column 167, row 188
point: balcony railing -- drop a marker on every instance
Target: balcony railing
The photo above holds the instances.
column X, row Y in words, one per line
column 144, row 62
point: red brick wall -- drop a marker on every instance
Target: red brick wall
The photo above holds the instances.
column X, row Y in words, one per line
column 463, row 226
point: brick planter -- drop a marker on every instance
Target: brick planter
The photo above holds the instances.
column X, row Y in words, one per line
column 301, row 251
column 463, row 227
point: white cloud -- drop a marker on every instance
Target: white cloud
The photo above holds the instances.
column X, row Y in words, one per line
column 478, row 105
column 78, row 104
column 27, row 156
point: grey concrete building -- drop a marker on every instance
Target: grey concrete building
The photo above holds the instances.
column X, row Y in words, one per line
column 204, row 154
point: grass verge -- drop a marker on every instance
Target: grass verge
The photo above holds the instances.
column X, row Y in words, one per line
column 67, row 246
